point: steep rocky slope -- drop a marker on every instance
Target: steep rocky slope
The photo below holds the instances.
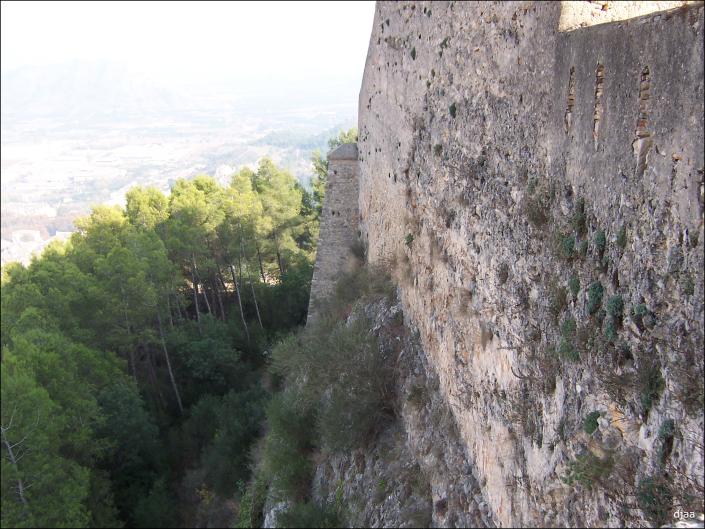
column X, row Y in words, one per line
column 416, row 472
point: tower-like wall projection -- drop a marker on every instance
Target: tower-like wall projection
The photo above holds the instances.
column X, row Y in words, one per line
column 339, row 224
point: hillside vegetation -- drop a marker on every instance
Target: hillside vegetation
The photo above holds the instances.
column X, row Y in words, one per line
column 132, row 356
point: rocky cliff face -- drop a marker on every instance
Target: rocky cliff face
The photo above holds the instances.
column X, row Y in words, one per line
column 416, row 473
column 539, row 195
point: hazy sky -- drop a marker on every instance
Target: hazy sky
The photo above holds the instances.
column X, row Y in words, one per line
column 185, row 41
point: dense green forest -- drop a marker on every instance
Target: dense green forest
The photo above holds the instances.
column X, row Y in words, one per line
column 135, row 357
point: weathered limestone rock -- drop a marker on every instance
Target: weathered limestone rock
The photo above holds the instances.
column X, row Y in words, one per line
column 416, row 473
column 272, row 511
column 540, row 195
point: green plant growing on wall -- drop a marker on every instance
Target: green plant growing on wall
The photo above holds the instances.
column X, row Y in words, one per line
column 566, row 346
column 452, row 109
column 688, row 285
column 604, row 264
column 651, row 385
column 503, row 273
column 417, row 395
column 655, row 498
column 339, row 494
column 694, row 238
column 560, row 429
column 568, row 351
column 585, row 339
column 310, row 514
column 568, row 328
column 667, row 429
column 578, row 220
column 666, row 433
column 595, row 293
column 408, row 240
column 564, row 245
column 567, row 246
column 357, row 249
column 557, row 297
column 642, row 316
column 590, row 422
column 531, row 186
column 536, row 213
column 622, row 237
column 583, row 248
column 614, row 309
column 600, row 242
column 640, row 310
column 438, row 149
column 537, row 203
column 252, row 502
column 610, row 330
column 588, row 470
column 600, row 316
column 380, row 490
column 413, row 53
column 574, row 286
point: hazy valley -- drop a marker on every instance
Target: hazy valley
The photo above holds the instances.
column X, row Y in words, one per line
column 72, row 140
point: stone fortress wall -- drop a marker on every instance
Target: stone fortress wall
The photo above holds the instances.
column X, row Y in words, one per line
column 505, row 146
column 467, row 113
column 339, row 224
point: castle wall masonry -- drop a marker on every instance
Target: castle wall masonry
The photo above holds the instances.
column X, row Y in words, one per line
column 531, row 165
column 339, row 224
column 482, row 128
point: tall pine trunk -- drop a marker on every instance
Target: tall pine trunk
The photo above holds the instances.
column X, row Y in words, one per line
column 177, row 299
column 214, row 282
column 153, row 379
column 195, row 298
column 243, row 255
column 279, row 257
column 130, row 346
column 179, row 307
column 221, row 282
column 239, row 302
column 168, row 308
column 254, row 297
column 205, row 296
column 259, row 258
column 14, row 460
column 168, row 365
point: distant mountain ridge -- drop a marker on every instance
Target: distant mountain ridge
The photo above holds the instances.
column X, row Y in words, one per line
column 83, row 90
column 86, row 91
